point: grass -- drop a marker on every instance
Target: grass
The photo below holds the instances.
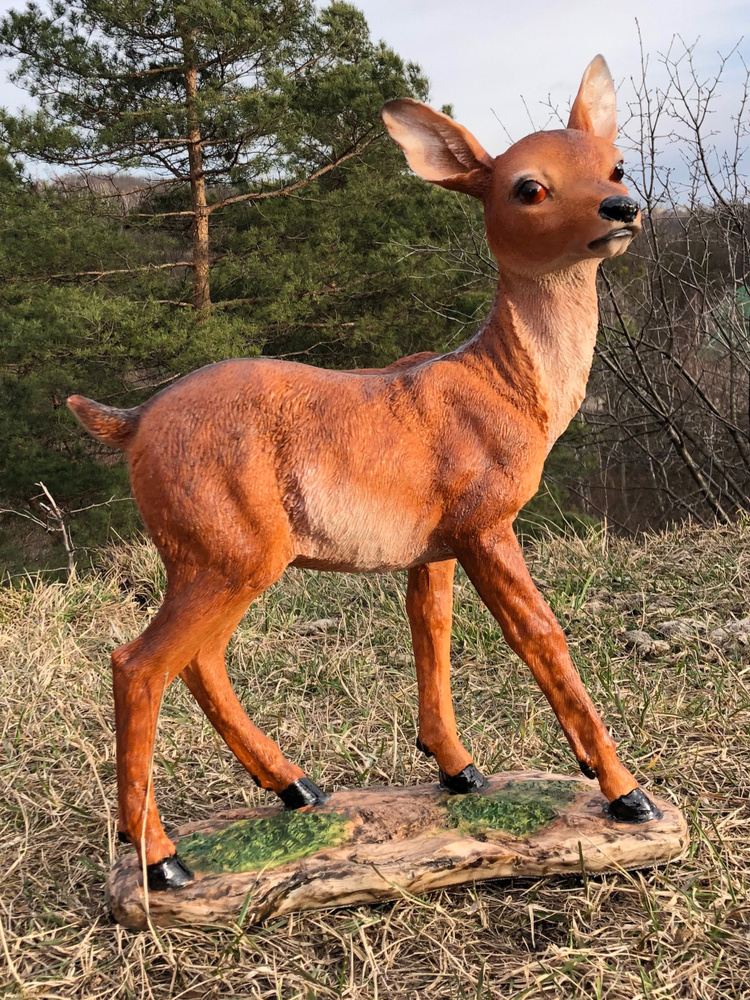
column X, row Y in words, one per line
column 340, row 697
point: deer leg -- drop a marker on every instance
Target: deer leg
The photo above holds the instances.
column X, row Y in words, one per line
column 141, row 672
column 139, row 682
column 496, row 567
column 209, row 683
column 429, row 605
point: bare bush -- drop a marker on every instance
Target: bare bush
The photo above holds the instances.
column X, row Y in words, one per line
column 669, row 402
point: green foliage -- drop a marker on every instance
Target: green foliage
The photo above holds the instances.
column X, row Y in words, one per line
column 45, row 235
column 554, row 508
column 347, row 275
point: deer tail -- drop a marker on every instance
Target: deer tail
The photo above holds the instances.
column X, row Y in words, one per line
column 108, row 424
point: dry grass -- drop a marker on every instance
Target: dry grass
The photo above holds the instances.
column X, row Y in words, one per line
column 342, row 702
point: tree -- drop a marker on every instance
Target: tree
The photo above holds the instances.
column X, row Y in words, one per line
column 346, row 275
column 241, row 100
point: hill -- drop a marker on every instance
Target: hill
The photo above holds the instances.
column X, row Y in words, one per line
column 322, row 664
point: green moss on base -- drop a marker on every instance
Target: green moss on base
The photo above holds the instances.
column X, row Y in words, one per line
column 520, row 808
column 254, row 844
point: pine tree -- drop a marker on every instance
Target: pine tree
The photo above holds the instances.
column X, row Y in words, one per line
column 235, row 100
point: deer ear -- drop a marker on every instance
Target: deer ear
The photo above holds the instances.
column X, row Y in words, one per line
column 436, row 148
column 594, row 109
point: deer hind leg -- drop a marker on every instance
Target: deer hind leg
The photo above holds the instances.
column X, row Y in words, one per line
column 141, row 671
column 208, row 682
column 429, row 605
column 496, row 567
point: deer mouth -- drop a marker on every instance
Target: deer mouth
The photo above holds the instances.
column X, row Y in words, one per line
column 623, row 233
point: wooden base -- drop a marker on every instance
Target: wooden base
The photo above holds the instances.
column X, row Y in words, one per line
column 381, row 843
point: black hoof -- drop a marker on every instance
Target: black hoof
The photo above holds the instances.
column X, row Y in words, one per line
column 425, row 750
column 635, row 807
column 169, row 873
column 468, row 780
column 587, row 770
column 302, row 792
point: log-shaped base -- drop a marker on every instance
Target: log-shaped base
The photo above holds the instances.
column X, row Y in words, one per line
column 380, row 843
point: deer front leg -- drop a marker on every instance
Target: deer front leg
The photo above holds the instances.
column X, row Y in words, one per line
column 495, row 565
column 429, row 605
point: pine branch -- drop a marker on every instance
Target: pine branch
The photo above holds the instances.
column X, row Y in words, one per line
column 71, row 276
column 283, row 192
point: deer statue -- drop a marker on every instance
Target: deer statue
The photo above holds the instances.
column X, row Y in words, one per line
column 248, row 466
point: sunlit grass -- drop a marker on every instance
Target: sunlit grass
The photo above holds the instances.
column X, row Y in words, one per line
column 322, row 663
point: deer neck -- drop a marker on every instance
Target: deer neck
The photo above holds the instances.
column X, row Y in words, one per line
column 540, row 337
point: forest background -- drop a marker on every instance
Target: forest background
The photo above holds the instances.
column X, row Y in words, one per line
column 210, row 179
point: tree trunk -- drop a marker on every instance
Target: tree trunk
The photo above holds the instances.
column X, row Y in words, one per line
column 201, row 262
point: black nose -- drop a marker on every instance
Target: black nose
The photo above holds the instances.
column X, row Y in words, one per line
column 618, row 209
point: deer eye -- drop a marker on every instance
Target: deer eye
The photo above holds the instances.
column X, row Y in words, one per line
column 619, row 172
column 531, row 192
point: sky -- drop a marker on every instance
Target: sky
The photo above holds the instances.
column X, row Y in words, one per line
column 497, row 62
column 482, row 56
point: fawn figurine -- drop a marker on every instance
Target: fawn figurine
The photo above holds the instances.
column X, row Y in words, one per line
column 249, row 466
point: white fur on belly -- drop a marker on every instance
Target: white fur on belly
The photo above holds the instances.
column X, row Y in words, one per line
column 362, row 532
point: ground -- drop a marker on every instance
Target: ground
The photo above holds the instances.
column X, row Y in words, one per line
column 322, row 663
